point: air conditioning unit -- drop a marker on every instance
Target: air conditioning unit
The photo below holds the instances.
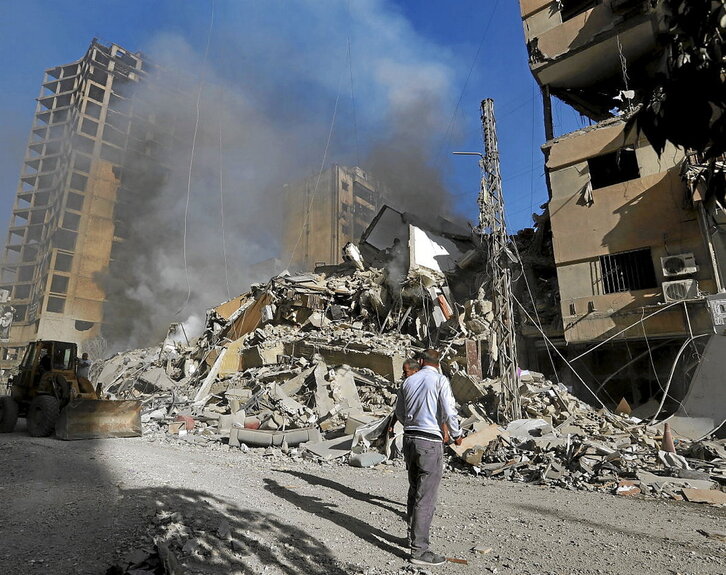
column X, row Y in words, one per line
column 680, row 290
column 678, row 265
column 4, row 295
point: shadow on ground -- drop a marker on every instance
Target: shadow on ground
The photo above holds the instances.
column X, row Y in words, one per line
column 206, row 534
column 361, row 529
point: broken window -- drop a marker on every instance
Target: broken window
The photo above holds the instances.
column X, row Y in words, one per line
column 628, row 271
column 71, row 221
column 82, row 163
column 365, row 194
column 111, row 154
column 113, row 136
column 89, row 127
column 93, row 109
column 96, row 93
column 99, row 76
column 64, row 240
column 55, row 304
column 74, row 202
column 83, row 325
column 25, row 273
column 79, row 181
column 60, row 116
column 59, row 284
column 63, row 262
column 571, row 8
column 21, row 291
column 83, row 144
column 613, row 168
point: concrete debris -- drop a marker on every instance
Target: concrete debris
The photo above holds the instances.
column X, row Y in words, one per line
column 308, row 365
column 569, row 444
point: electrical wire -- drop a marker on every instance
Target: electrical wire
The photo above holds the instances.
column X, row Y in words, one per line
column 308, row 209
column 544, row 335
column 352, row 91
column 191, row 160
column 650, row 353
column 221, row 209
column 622, row 331
column 450, row 126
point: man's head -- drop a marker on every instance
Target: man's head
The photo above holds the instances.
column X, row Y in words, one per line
column 84, row 356
column 429, row 357
column 410, row 366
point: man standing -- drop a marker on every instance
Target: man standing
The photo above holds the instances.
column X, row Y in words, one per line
column 424, row 403
column 84, row 366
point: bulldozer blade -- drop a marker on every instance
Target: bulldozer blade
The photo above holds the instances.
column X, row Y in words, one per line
column 99, row 418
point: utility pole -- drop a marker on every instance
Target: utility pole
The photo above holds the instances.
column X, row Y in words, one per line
column 493, row 231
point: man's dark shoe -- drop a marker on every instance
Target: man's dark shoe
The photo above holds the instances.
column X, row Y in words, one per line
column 428, row 558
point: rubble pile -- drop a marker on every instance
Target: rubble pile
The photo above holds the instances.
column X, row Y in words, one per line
column 302, row 359
column 307, row 365
column 569, row 444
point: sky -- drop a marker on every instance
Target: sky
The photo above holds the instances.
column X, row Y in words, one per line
column 293, row 86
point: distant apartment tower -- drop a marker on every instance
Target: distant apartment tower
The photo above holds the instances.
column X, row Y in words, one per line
column 89, row 127
column 632, row 249
column 322, row 214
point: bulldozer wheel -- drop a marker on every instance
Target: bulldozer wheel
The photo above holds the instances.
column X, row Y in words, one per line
column 42, row 415
column 62, row 389
column 8, row 414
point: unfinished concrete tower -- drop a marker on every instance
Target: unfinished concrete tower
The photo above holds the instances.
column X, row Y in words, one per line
column 88, row 126
column 634, row 258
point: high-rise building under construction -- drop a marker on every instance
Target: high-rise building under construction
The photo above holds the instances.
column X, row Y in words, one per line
column 93, row 142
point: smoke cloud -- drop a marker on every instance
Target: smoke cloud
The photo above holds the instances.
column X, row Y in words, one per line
column 274, row 82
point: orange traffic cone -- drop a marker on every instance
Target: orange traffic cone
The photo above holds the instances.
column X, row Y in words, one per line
column 667, row 444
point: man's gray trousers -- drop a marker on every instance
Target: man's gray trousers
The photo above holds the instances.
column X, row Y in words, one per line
column 424, row 461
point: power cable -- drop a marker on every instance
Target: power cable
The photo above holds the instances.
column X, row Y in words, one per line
column 352, row 91
column 221, row 209
column 191, row 159
column 308, row 209
column 450, row 126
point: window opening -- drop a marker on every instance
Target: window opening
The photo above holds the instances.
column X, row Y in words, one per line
column 628, row 271
column 614, row 168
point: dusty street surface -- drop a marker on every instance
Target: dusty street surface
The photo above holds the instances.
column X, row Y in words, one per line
column 80, row 507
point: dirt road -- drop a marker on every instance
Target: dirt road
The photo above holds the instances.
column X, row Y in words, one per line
column 80, row 507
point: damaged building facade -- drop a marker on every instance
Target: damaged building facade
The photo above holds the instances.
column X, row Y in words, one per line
column 323, row 213
column 635, row 243
column 90, row 127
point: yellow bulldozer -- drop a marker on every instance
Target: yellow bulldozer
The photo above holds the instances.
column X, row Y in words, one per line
column 50, row 395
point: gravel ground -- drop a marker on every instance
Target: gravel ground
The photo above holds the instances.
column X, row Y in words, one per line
column 79, row 507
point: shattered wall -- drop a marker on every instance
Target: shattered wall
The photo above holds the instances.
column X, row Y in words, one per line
column 650, row 211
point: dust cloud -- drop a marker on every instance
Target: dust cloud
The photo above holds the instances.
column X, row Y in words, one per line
column 275, row 84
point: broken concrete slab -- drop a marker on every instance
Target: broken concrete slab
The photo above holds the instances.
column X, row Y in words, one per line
column 389, row 365
column 660, row 482
column 466, row 387
column 479, row 439
column 331, row 448
column 711, row 496
column 367, row 459
column 260, row 355
column 157, row 378
column 524, row 429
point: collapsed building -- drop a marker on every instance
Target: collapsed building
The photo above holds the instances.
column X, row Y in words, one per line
column 635, row 199
column 308, row 365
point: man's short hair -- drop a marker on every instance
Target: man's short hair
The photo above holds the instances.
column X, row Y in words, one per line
column 411, row 364
column 430, row 356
